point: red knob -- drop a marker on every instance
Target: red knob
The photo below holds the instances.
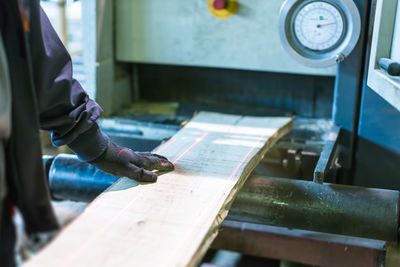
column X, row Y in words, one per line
column 220, row 4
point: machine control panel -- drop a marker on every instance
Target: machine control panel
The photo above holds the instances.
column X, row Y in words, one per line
column 319, row 33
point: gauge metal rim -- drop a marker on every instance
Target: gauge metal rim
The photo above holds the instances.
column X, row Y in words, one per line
column 302, row 54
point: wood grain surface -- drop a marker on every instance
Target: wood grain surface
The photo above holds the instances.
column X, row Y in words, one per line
column 171, row 222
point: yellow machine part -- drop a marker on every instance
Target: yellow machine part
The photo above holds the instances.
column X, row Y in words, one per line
column 231, row 9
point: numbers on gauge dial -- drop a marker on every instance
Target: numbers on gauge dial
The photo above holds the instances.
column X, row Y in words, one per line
column 319, row 26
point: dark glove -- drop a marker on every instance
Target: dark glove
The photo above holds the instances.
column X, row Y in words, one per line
column 123, row 162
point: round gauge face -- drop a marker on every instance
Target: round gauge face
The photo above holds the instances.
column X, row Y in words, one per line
column 319, row 26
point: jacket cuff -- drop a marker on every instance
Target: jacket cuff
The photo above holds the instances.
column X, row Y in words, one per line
column 90, row 144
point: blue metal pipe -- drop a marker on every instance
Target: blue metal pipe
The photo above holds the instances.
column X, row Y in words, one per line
column 72, row 179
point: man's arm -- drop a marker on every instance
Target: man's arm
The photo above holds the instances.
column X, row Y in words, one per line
column 67, row 111
column 65, row 108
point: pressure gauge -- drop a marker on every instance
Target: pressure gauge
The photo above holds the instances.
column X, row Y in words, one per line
column 319, row 33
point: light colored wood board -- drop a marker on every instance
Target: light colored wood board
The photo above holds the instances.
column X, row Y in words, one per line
column 154, row 108
column 171, row 222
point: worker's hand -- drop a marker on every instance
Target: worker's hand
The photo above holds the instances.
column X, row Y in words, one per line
column 123, row 162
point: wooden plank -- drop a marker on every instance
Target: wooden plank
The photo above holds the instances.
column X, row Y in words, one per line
column 171, row 222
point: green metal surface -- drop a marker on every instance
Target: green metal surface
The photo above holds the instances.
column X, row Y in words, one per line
column 330, row 208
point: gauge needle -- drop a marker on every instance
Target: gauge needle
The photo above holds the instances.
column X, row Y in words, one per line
column 323, row 25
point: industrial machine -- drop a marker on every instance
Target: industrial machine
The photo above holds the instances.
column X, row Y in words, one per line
column 327, row 194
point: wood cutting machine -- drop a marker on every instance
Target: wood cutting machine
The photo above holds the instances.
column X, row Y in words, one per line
column 327, row 193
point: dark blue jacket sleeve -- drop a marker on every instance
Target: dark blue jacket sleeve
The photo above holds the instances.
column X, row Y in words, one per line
column 65, row 108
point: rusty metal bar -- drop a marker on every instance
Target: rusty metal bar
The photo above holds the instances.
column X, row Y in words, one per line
column 300, row 246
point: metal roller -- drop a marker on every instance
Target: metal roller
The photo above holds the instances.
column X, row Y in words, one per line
column 330, row 208
column 72, row 179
